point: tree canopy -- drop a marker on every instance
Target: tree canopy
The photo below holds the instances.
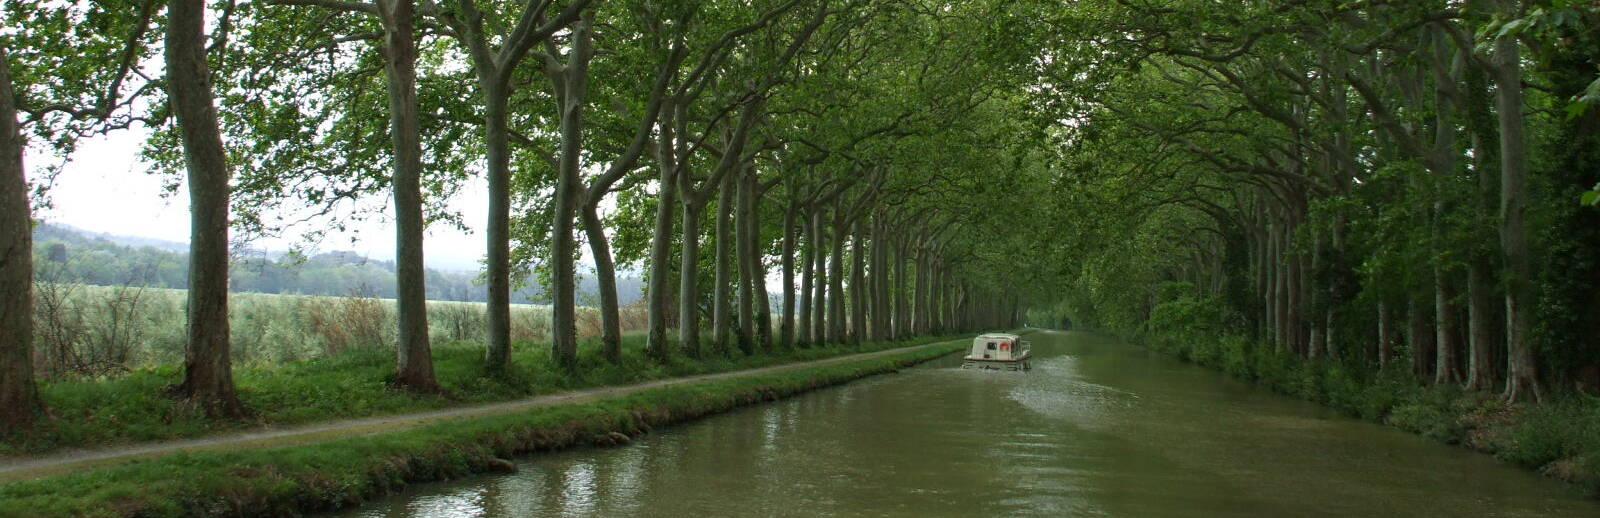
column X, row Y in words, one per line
column 1306, row 174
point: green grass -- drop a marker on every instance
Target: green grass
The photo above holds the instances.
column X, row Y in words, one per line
column 353, row 383
column 87, row 331
column 1560, row 437
column 292, row 481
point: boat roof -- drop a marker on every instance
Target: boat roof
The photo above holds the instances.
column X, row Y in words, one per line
column 998, row 335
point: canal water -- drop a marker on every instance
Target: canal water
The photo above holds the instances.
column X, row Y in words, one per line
column 1098, row 428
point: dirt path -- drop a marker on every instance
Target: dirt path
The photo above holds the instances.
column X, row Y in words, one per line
column 71, row 460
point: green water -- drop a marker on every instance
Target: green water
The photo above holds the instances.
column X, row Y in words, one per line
column 1098, row 428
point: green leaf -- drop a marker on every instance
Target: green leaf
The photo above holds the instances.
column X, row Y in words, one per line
column 1513, row 27
column 1575, row 109
column 1591, row 198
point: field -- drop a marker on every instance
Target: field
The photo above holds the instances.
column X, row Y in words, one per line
column 84, row 331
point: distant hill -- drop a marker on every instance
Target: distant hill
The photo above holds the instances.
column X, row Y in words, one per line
column 69, row 254
column 70, row 234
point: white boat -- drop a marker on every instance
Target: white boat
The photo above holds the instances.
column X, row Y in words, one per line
column 998, row 351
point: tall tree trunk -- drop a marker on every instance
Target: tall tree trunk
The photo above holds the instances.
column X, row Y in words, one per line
column 1297, row 320
column 661, row 243
column 920, row 302
column 19, row 396
column 1280, row 296
column 758, row 279
column 786, row 338
column 689, row 280
column 935, row 296
column 1447, row 358
column 1419, row 332
column 880, row 281
column 858, row 284
column 1385, row 335
column 1522, row 373
column 1319, row 300
column 497, row 260
column 413, row 356
column 1481, row 341
column 569, row 183
column 208, row 371
column 902, row 310
column 807, row 276
column 605, row 273
column 819, row 311
column 836, row 274
column 721, row 303
column 747, row 270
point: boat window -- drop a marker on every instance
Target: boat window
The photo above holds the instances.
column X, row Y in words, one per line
column 991, row 346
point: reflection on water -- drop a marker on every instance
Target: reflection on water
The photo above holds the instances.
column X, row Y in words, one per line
column 1098, row 428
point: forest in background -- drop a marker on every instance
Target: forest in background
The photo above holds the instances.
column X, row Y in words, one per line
column 67, row 254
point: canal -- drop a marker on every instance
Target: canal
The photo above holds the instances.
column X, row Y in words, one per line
column 1098, row 428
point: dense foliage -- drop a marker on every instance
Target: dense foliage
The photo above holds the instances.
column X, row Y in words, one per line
column 1351, row 186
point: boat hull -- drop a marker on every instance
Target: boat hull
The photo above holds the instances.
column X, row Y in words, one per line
column 1019, row 364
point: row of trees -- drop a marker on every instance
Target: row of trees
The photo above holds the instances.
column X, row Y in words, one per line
column 1364, row 182
column 855, row 145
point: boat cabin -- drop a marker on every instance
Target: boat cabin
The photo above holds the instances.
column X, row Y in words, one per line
column 998, row 351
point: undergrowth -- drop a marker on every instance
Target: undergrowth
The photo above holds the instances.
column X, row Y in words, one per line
column 1560, row 437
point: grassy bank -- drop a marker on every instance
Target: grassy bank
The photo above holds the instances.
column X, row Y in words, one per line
column 89, row 332
column 1559, row 438
column 352, row 383
column 296, row 480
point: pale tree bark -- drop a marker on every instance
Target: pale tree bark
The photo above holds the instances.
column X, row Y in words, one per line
column 1445, row 150
column 819, row 286
column 1481, row 309
column 672, row 156
column 1522, row 373
column 693, row 201
column 786, row 329
column 571, row 80
column 836, row 270
column 858, row 284
column 803, row 336
column 594, row 231
column 880, row 279
column 762, row 325
column 493, row 68
column 902, row 284
column 721, row 294
column 689, row 279
column 413, row 355
column 594, row 228
column 19, row 396
column 661, row 243
column 919, row 317
column 1386, row 334
column 1319, row 334
column 208, row 372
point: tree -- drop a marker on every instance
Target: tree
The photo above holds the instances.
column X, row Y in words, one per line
column 19, row 397
column 414, row 357
column 208, row 373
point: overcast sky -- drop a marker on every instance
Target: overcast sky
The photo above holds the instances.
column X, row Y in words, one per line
column 107, row 189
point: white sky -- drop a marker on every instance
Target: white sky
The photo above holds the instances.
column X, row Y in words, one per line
column 105, row 188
